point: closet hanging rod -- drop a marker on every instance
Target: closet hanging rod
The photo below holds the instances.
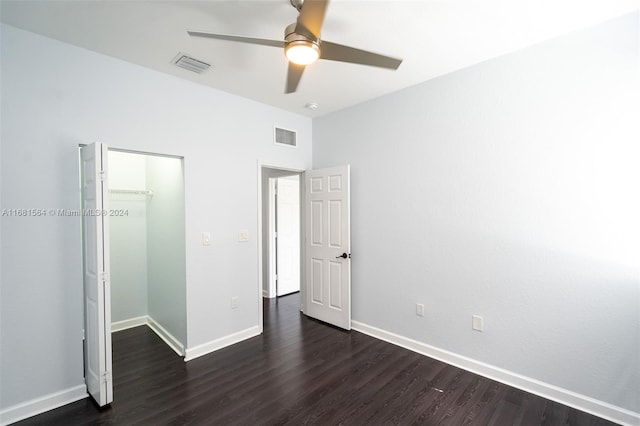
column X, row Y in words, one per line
column 131, row 191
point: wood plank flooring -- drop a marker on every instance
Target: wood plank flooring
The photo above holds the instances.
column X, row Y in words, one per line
column 301, row 371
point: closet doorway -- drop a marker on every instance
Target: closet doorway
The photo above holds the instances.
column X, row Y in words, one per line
column 133, row 245
column 147, row 244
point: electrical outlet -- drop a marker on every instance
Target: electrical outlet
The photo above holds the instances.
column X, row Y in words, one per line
column 234, row 302
column 419, row 309
column 477, row 323
column 243, row 235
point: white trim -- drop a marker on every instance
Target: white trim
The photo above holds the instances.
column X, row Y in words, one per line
column 168, row 338
column 260, row 262
column 265, row 294
column 40, row 405
column 271, row 230
column 546, row 390
column 295, row 170
column 128, row 323
column 214, row 345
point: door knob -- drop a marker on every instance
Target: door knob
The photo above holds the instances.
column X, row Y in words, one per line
column 343, row 256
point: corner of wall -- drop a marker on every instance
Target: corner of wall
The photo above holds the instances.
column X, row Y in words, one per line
column 217, row 344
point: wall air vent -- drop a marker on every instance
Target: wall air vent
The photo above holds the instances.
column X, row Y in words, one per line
column 285, row 137
column 191, row 64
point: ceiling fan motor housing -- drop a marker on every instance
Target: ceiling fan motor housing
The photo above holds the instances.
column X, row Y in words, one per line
column 294, row 39
column 290, row 35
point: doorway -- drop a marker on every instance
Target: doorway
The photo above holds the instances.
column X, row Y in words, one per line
column 147, row 244
column 284, row 234
column 325, row 249
column 281, row 232
column 141, row 232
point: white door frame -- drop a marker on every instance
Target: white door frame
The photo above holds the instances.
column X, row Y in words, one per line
column 272, row 246
column 261, row 267
column 272, row 287
column 287, row 213
column 107, row 305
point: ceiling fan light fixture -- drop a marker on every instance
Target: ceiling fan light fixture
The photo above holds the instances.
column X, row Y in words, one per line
column 302, row 52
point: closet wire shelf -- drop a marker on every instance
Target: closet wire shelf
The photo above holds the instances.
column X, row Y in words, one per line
column 132, row 192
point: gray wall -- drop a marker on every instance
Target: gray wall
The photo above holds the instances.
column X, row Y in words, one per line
column 509, row 190
column 148, row 243
column 128, row 237
column 56, row 96
column 165, row 245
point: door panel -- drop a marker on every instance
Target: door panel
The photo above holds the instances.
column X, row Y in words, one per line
column 95, row 227
column 328, row 245
column 335, row 284
column 316, row 281
column 316, row 223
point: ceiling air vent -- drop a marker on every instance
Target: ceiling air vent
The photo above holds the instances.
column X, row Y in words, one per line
column 285, row 137
column 191, row 64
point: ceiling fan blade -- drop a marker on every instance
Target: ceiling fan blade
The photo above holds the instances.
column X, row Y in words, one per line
column 261, row 41
column 294, row 73
column 339, row 52
column 312, row 16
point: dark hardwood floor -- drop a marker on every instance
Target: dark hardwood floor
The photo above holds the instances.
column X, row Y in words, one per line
column 301, row 371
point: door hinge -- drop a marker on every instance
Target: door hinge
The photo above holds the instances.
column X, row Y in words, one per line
column 106, row 376
column 102, row 175
column 104, row 276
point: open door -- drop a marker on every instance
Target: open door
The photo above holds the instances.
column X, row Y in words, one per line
column 328, row 245
column 288, row 235
column 97, row 294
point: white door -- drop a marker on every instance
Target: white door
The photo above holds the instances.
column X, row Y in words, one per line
column 97, row 294
column 328, row 245
column 288, row 235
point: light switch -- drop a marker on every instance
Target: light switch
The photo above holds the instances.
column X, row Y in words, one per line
column 206, row 238
column 243, row 235
column 477, row 323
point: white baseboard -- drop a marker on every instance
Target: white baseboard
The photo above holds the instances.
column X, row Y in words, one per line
column 168, row 338
column 40, row 405
column 128, row 323
column 58, row 399
column 162, row 332
column 214, row 345
column 554, row 393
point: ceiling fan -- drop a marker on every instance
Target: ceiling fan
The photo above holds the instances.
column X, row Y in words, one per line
column 302, row 44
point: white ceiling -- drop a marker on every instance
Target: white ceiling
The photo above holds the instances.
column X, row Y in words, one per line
column 434, row 37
